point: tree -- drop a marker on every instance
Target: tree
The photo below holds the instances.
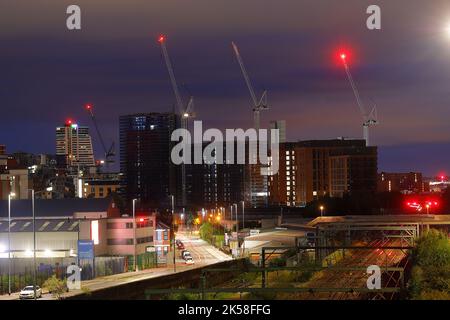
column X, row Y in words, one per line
column 206, row 231
column 55, row 286
column 430, row 276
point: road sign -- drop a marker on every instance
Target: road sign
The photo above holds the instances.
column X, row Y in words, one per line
column 86, row 249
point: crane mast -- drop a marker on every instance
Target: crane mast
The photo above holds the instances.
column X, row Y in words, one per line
column 368, row 119
column 109, row 153
column 185, row 112
column 258, row 183
column 258, row 105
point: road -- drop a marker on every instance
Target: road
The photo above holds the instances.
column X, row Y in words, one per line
column 203, row 254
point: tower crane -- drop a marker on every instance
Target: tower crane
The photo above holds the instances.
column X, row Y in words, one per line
column 186, row 112
column 110, row 152
column 258, row 105
column 369, row 118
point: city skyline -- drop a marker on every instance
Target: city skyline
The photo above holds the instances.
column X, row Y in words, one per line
column 405, row 68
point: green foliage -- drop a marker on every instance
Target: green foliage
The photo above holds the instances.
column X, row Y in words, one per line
column 86, row 291
column 277, row 262
column 55, row 286
column 206, row 231
column 183, row 296
column 219, row 241
column 432, row 250
column 430, row 276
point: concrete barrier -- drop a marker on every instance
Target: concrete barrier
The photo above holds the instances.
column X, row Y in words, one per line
column 136, row 290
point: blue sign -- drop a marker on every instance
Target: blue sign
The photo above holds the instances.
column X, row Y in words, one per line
column 85, row 249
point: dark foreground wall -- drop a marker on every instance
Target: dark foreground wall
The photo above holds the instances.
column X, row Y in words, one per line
column 186, row 279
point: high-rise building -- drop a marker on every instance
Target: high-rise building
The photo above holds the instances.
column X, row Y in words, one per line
column 2, row 149
column 353, row 170
column 216, row 185
column 74, row 146
column 310, row 170
column 281, row 126
column 148, row 173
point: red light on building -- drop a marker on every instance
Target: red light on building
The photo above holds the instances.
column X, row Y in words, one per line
column 343, row 56
column 69, row 121
column 88, row 107
column 141, row 220
column 161, row 38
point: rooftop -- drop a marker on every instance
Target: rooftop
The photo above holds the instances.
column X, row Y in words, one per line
column 53, row 208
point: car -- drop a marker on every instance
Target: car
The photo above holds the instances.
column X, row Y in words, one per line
column 28, row 292
column 185, row 253
column 179, row 244
column 189, row 260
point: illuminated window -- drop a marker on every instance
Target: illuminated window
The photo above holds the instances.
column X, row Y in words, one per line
column 95, row 232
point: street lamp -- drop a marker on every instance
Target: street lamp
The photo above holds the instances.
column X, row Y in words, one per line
column 321, row 210
column 428, row 208
column 172, row 201
column 243, row 214
column 134, row 235
column 236, row 212
column 34, row 244
column 10, row 196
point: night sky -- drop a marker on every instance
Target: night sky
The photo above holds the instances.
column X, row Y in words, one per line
column 47, row 73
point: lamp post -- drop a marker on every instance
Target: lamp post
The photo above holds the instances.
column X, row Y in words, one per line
column 134, row 235
column 34, row 244
column 321, row 210
column 243, row 214
column 236, row 213
column 10, row 195
column 172, row 200
column 428, row 208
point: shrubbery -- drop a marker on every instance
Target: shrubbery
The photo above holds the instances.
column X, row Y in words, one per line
column 430, row 275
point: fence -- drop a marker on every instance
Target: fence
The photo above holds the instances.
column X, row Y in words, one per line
column 22, row 270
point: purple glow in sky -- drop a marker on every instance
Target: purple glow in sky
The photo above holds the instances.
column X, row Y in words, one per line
column 48, row 73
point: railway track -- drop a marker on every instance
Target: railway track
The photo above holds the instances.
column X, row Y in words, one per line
column 357, row 279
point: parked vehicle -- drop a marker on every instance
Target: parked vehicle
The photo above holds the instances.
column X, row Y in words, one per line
column 189, row 260
column 179, row 244
column 185, row 254
column 28, row 292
